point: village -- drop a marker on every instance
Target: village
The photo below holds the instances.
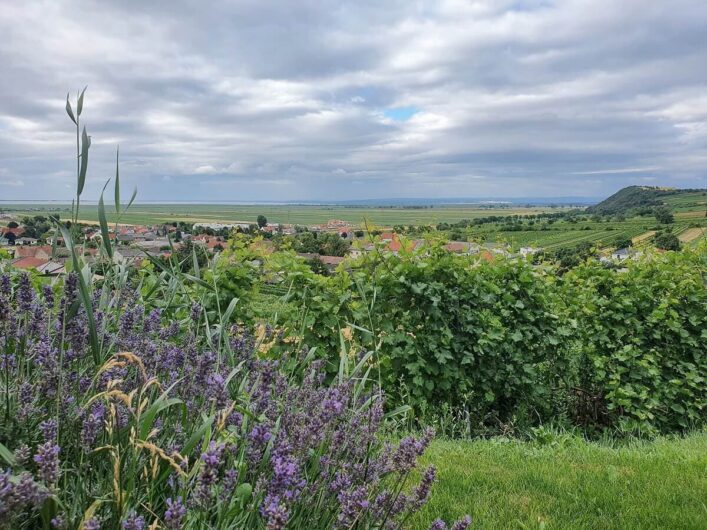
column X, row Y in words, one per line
column 25, row 245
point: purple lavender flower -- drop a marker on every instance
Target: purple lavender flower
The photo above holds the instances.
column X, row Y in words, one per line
column 409, row 450
column 353, row 504
column 49, row 429
column 5, row 285
column 152, row 321
column 17, row 495
column 174, row 514
column 439, row 524
column 8, row 362
column 133, row 521
column 25, row 401
column 211, row 459
column 22, row 454
column 48, row 294
column 195, row 312
column 92, row 425
column 422, row 492
column 274, row 512
column 25, row 293
column 93, row 523
column 47, row 460
column 58, row 522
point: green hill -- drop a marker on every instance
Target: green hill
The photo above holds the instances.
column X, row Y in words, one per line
column 634, row 197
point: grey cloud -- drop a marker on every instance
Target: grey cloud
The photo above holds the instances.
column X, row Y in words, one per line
column 284, row 100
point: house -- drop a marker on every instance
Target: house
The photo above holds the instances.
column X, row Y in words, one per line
column 487, row 256
column 221, row 226
column 153, row 246
column 330, row 262
column 620, row 254
column 128, row 256
column 396, row 245
column 213, row 243
column 38, row 251
column 125, row 238
column 51, row 268
column 462, row 247
column 26, row 241
column 17, row 231
column 333, row 224
column 28, row 263
column 529, row 251
column 8, row 236
column 497, row 248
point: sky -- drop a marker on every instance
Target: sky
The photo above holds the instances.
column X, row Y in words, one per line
column 289, row 100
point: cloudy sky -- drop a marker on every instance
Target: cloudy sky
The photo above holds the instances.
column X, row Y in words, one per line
column 325, row 99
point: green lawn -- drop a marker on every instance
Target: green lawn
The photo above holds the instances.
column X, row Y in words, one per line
column 660, row 484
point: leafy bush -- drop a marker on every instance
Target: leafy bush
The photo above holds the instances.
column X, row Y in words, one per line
column 446, row 329
column 667, row 241
column 513, row 344
column 643, row 337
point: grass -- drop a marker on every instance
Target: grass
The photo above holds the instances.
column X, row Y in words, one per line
column 577, row 484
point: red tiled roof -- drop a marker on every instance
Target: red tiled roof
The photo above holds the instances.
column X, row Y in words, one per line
column 331, row 260
column 486, row 256
column 28, row 263
column 32, row 251
column 456, row 246
column 17, row 231
column 395, row 245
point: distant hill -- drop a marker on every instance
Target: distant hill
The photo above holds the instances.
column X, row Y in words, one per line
column 638, row 197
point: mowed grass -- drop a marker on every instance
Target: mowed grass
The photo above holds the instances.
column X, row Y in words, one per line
column 661, row 484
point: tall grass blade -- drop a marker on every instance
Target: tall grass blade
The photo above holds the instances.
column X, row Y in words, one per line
column 117, row 181
column 79, row 105
column 85, row 143
column 105, row 236
column 132, row 198
column 69, row 111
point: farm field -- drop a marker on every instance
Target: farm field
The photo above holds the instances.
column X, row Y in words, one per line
column 691, row 234
column 570, row 484
column 287, row 214
column 688, row 201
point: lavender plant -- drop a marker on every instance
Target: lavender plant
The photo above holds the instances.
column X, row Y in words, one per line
column 164, row 432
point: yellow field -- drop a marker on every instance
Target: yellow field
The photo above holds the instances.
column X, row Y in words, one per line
column 643, row 237
column 690, row 215
column 691, row 234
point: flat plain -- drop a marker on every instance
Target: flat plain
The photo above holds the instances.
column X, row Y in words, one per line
column 286, row 214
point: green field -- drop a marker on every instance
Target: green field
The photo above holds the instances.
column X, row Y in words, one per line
column 565, row 234
column 688, row 201
column 288, row 214
column 571, row 485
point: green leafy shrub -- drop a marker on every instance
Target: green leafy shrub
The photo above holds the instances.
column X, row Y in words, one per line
column 446, row 329
column 643, row 338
